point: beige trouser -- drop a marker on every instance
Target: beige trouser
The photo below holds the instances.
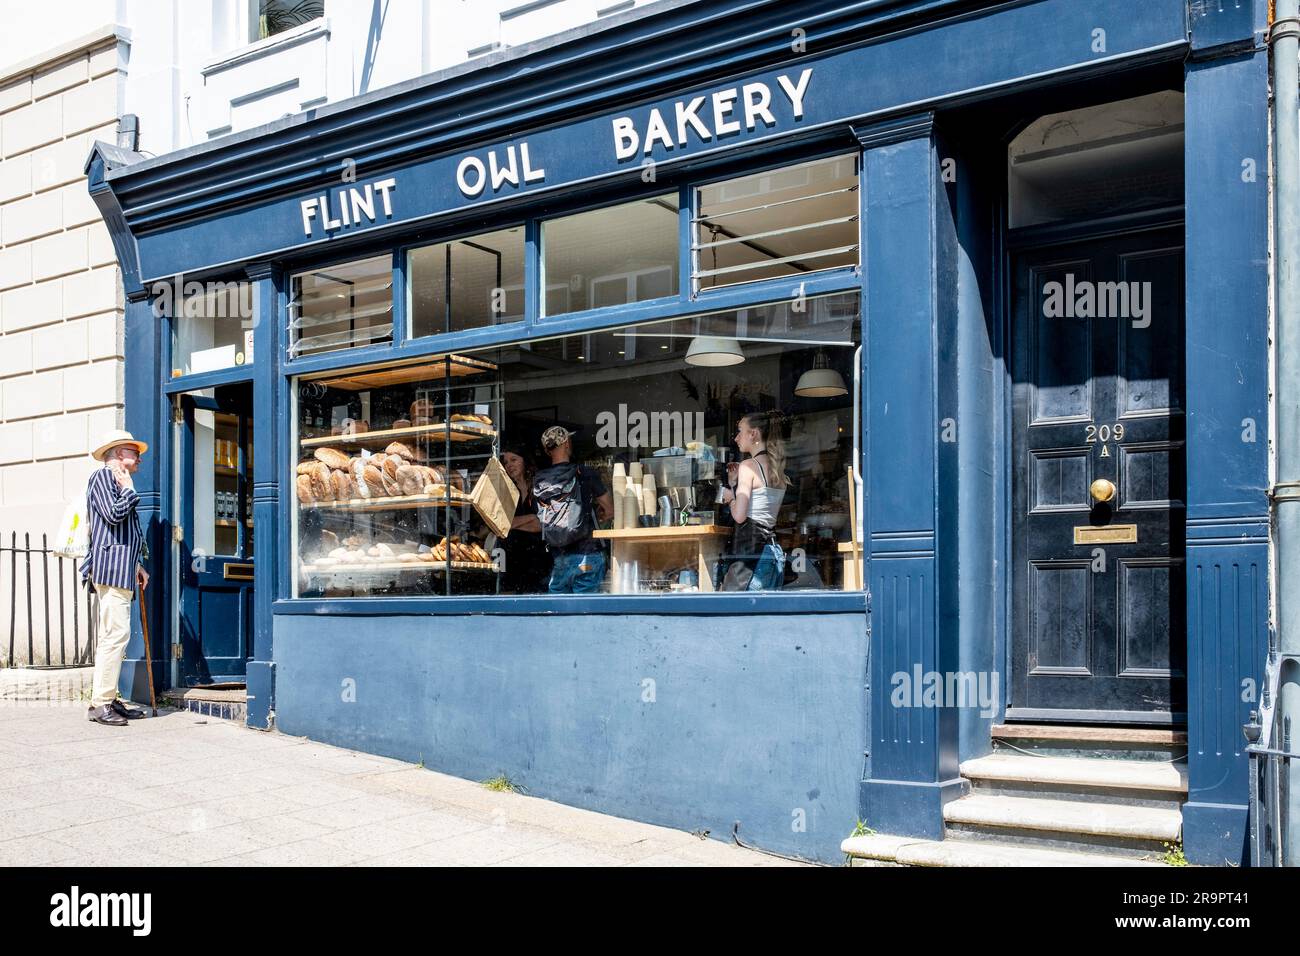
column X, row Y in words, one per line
column 110, row 643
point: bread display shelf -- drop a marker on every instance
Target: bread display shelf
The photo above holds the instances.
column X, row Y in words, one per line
column 385, row 566
column 455, row 366
column 439, row 432
column 395, row 503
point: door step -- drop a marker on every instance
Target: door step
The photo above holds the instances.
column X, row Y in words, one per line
column 878, row 849
column 1039, row 807
column 1064, row 740
column 1136, row 778
column 225, row 703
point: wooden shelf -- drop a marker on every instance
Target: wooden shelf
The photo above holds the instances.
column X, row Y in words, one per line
column 386, row 435
column 430, row 369
column 225, row 471
column 674, row 533
column 386, row 566
column 398, row 503
column 227, row 523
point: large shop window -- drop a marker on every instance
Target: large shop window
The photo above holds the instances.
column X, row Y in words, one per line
column 783, row 222
column 419, row 479
column 485, row 276
column 342, row 306
column 611, row 256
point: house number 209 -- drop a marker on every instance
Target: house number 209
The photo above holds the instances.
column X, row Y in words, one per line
column 1105, row 433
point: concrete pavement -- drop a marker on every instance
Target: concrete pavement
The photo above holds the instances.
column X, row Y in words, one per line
column 184, row 790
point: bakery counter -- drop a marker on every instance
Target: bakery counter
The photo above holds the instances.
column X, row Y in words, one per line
column 639, row 556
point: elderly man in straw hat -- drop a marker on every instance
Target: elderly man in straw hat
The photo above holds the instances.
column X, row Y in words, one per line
column 114, row 565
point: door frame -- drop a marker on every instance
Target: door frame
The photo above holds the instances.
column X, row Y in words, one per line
column 1017, row 242
column 180, row 476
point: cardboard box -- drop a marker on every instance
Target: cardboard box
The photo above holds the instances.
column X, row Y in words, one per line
column 495, row 497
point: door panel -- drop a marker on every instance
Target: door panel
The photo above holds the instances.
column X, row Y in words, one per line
column 1098, row 628
column 217, row 548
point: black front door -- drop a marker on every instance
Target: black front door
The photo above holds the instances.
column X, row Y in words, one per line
column 1098, row 481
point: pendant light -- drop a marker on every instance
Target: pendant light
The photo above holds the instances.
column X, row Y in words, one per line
column 820, row 381
column 712, row 352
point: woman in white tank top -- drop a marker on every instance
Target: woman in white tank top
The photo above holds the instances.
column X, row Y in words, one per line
column 755, row 489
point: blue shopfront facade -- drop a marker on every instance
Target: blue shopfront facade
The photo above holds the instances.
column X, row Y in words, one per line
column 771, row 711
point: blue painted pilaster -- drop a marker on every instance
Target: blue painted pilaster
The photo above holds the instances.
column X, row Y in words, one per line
column 1227, row 439
column 260, row 672
column 146, row 419
column 913, row 759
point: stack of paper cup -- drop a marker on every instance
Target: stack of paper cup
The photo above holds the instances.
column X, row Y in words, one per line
column 620, row 492
column 649, row 496
column 631, row 505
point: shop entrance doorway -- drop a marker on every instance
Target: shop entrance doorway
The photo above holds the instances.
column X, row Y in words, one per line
column 215, row 471
column 1098, row 607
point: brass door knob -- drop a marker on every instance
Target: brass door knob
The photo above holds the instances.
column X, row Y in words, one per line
column 1103, row 489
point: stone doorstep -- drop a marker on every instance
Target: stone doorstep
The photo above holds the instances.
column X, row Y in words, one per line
column 222, row 695
column 1156, row 736
column 1066, row 816
column 912, row 852
column 1079, row 772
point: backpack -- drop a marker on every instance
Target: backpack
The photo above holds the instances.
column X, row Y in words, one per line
column 72, row 540
column 561, row 507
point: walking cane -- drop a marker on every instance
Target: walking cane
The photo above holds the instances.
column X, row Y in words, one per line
column 148, row 657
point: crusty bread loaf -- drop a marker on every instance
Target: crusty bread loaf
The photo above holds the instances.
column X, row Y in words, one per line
column 332, row 457
column 374, row 479
column 305, row 495
column 342, row 485
column 408, row 480
column 358, row 472
column 391, row 487
column 305, row 467
column 321, row 485
column 401, row 450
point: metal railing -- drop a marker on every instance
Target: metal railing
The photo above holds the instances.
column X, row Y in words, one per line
column 1270, row 751
column 51, row 615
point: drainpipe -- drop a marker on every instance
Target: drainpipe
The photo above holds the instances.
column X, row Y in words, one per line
column 1284, row 39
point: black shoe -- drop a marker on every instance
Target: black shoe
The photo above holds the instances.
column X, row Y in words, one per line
column 131, row 713
column 106, row 715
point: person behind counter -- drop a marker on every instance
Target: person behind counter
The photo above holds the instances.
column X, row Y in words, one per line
column 754, row 491
column 527, row 562
column 571, row 500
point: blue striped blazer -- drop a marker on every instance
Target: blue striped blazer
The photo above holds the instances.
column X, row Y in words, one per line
column 115, row 535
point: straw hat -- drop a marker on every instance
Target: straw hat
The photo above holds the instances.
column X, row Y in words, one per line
column 115, row 437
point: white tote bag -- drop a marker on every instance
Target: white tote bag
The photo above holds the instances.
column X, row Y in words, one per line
column 72, row 540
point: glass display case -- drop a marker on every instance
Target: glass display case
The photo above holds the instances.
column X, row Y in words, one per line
column 389, row 459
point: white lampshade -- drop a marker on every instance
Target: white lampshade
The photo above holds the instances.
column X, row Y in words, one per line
column 714, row 352
column 820, row 381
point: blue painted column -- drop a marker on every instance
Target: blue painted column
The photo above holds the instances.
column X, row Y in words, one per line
column 146, row 419
column 907, row 280
column 1227, row 439
column 260, row 672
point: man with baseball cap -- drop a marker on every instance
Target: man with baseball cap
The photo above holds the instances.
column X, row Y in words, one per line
column 571, row 500
column 114, row 565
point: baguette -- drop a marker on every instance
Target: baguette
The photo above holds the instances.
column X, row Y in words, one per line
column 332, row 457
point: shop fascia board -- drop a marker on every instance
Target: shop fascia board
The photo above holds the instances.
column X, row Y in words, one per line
column 874, row 80
column 697, row 44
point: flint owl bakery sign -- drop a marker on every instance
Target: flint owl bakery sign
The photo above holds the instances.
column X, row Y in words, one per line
column 703, row 119
column 588, row 150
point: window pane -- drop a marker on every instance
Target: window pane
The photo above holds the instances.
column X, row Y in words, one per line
column 611, row 256
column 487, row 283
column 785, row 222
column 277, row 16
column 342, row 306
column 656, row 410
column 213, row 329
column 387, row 459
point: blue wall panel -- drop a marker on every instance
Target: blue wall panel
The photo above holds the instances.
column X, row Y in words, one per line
column 756, row 719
